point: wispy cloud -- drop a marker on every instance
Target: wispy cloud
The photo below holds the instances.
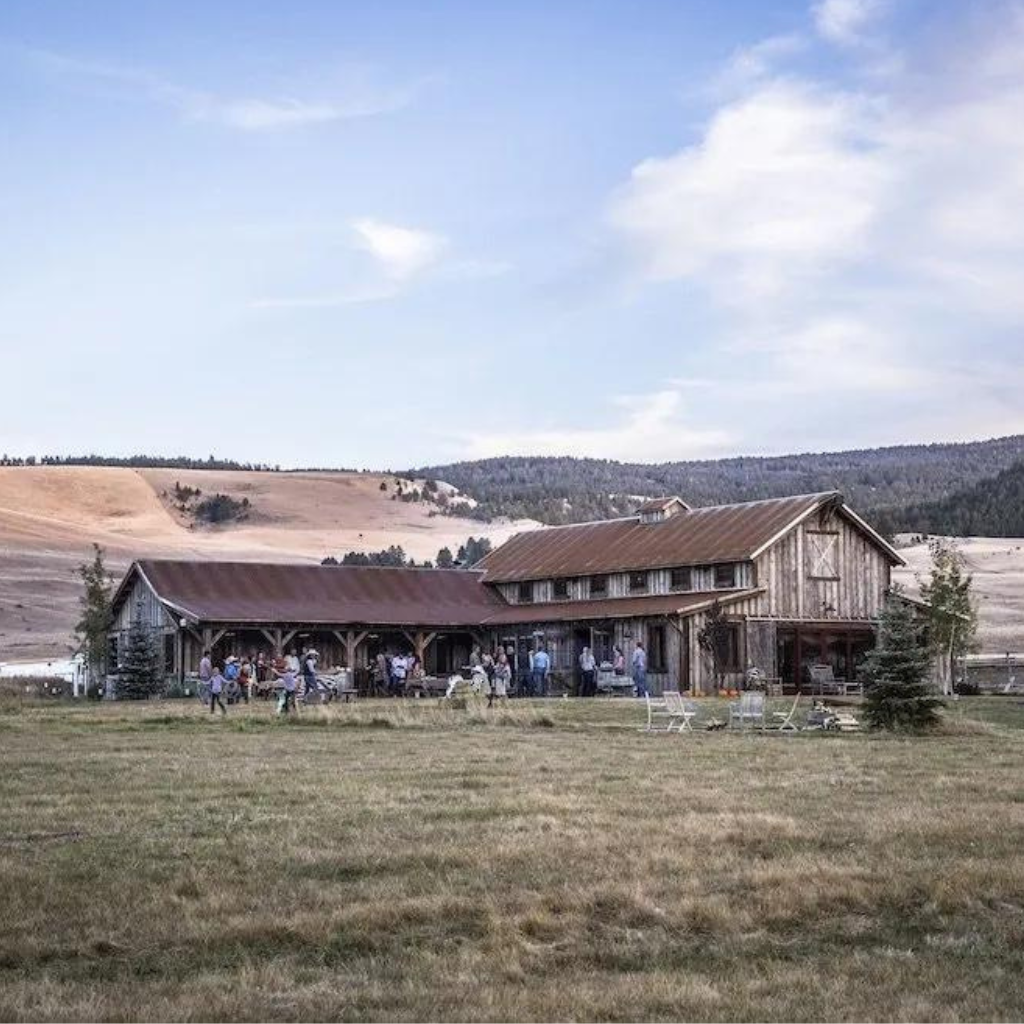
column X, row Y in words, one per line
column 357, row 97
column 845, row 22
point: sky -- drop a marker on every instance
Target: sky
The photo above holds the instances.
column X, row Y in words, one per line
column 381, row 235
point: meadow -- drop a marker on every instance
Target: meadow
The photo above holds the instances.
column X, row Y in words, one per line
column 399, row 861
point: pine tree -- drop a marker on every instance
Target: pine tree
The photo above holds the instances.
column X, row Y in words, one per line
column 713, row 639
column 93, row 627
column 445, row 560
column 897, row 694
column 137, row 678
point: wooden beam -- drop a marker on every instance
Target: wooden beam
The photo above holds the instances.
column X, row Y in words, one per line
column 287, row 638
column 217, row 636
column 271, row 637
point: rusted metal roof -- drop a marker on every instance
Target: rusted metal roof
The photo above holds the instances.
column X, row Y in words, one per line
column 615, row 607
column 698, row 536
column 258, row 592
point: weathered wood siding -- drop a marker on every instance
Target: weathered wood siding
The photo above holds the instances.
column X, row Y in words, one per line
column 787, row 571
column 141, row 598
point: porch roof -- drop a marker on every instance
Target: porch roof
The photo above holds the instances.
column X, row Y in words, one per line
column 261, row 593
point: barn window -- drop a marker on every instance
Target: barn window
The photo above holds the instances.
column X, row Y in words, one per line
column 598, row 586
column 725, row 576
column 561, row 589
column 656, row 657
column 823, row 554
column 681, row 578
column 525, row 593
column 638, row 582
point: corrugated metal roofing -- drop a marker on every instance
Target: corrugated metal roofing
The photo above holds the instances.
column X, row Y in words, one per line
column 258, row 592
column 718, row 533
column 615, row 607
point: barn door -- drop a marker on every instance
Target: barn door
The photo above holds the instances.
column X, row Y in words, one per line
column 823, row 554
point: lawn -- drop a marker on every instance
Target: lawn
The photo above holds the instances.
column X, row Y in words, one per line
column 400, row 861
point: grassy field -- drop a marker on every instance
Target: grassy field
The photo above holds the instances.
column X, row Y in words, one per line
column 391, row 861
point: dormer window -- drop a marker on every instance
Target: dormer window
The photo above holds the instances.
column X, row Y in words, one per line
column 725, row 576
column 681, row 578
column 638, row 583
column 525, row 593
column 561, row 589
column 657, row 510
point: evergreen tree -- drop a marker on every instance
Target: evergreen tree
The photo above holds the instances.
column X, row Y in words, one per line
column 952, row 618
column 445, row 559
column 897, row 694
column 92, row 628
column 137, row 678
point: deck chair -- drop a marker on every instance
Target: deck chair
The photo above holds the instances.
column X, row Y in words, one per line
column 785, row 721
column 748, row 709
column 681, row 713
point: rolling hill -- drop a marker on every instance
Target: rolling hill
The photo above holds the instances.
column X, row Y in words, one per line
column 50, row 516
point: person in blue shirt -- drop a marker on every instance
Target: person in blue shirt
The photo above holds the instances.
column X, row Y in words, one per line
column 540, row 666
column 216, row 688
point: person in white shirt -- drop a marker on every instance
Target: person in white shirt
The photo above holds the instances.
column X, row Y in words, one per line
column 292, row 662
column 399, row 668
column 640, row 670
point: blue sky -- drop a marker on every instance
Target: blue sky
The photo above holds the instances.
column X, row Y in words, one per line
column 391, row 234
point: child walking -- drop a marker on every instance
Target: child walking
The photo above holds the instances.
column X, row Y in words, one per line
column 216, row 688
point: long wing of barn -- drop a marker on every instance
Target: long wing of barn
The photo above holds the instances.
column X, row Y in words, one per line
column 800, row 581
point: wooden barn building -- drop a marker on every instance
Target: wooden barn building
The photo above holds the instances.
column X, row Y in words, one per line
column 801, row 581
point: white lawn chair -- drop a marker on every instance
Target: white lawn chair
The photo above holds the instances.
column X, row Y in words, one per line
column 785, row 721
column 657, row 711
column 680, row 711
column 748, row 709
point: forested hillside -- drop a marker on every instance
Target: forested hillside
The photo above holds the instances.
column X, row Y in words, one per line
column 990, row 508
column 560, row 490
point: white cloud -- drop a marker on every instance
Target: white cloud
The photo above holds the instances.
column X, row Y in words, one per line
column 784, row 182
column 862, row 241
column 401, row 252
column 650, row 428
column 845, row 21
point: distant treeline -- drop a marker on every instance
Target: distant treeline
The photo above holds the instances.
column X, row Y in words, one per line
column 993, row 507
column 467, row 556
column 565, row 490
column 164, row 462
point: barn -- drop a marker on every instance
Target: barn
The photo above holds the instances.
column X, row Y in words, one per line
column 799, row 582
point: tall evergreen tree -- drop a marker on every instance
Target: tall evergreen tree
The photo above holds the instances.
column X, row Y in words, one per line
column 137, row 677
column 952, row 618
column 92, row 628
column 897, row 694
column 713, row 639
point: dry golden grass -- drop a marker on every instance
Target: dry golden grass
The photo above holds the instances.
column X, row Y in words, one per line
column 401, row 861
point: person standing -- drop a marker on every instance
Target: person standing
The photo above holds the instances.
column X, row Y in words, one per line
column 500, row 680
column 216, row 688
column 541, row 663
column 381, row 675
column 618, row 661
column 288, row 685
column 640, row 670
column 205, row 669
column 588, row 670
column 309, row 675
column 399, row 668
column 292, row 661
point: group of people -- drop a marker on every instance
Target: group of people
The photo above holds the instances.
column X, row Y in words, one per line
column 259, row 674
column 498, row 667
column 391, row 672
column 241, row 678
